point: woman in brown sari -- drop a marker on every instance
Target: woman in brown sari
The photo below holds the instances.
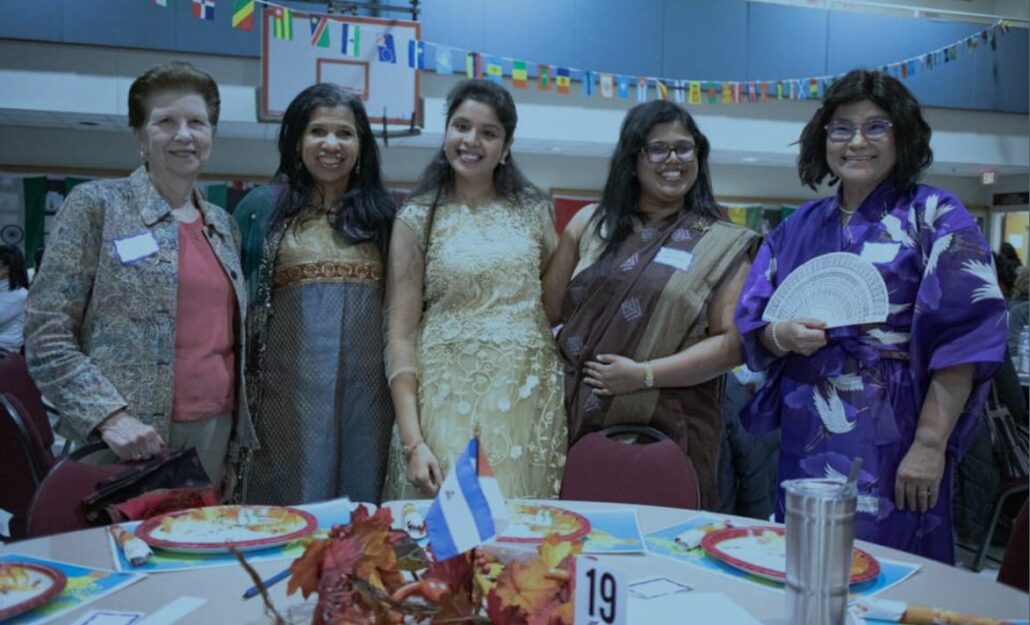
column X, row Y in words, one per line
column 650, row 278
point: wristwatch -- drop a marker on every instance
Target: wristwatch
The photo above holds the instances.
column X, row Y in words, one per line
column 648, row 375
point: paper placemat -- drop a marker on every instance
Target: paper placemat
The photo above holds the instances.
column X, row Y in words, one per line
column 663, row 543
column 85, row 585
column 613, row 531
column 327, row 513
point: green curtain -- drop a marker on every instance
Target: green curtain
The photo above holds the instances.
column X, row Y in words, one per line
column 70, row 183
column 218, row 194
column 34, row 191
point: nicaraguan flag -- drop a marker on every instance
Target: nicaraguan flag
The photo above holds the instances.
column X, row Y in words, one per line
column 469, row 509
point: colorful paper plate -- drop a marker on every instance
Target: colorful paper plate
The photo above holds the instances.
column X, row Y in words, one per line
column 532, row 523
column 761, row 551
column 215, row 528
column 25, row 586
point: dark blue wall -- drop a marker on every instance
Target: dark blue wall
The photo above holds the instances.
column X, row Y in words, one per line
column 695, row 39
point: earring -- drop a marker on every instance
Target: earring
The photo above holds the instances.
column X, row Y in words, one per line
column 504, row 161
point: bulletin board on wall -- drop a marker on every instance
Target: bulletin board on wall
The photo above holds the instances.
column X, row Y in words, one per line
column 378, row 59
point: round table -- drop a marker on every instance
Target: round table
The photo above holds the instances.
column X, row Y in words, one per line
column 935, row 584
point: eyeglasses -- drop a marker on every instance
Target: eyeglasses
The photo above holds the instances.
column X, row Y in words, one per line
column 659, row 152
column 873, row 130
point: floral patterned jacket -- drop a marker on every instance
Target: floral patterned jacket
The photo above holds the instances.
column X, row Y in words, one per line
column 100, row 335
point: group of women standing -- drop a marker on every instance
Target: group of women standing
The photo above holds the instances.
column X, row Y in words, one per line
column 440, row 313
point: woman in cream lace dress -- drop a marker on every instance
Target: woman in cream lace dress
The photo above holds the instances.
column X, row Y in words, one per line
column 469, row 346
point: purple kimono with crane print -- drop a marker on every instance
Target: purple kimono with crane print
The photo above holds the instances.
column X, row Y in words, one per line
column 861, row 395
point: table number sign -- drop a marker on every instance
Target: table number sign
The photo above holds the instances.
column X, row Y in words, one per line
column 600, row 594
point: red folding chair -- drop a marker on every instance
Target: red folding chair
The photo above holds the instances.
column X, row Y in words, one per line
column 649, row 470
column 15, row 380
column 25, row 459
column 57, row 505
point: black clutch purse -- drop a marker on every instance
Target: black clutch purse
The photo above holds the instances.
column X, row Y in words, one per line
column 172, row 481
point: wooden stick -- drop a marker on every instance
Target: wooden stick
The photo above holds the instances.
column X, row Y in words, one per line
column 269, row 606
column 924, row 615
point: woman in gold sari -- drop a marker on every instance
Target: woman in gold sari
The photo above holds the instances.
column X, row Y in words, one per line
column 650, row 277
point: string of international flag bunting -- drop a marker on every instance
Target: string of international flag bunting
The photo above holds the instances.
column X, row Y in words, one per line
column 548, row 76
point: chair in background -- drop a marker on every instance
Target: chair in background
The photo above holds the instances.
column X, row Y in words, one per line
column 15, row 380
column 650, row 470
column 1015, row 567
column 24, row 461
column 1009, row 488
column 57, row 505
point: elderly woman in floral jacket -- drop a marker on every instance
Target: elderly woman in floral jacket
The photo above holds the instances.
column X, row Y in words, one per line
column 135, row 318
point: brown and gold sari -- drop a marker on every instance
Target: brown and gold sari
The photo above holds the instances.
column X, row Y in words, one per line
column 647, row 301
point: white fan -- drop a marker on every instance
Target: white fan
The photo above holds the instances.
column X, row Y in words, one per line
column 840, row 289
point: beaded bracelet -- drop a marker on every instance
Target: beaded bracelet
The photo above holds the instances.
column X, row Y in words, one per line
column 408, row 450
column 775, row 340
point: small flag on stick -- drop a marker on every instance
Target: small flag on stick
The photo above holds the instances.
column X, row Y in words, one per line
column 469, row 509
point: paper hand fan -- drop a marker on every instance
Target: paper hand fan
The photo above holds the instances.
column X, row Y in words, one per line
column 840, row 289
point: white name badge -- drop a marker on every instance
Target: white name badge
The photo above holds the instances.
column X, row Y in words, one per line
column 878, row 253
column 601, row 597
column 136, row 247
column 677, row 259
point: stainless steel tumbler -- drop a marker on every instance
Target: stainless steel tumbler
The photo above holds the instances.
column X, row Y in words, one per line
column 820, row 515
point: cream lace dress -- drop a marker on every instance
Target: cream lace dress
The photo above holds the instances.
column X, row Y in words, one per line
column 469, row 320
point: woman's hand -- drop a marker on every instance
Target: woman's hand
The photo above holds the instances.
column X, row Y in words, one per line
column 918, row 480
column 803, row 336
column 613, row 375
column 424, row 470
column 128, row 438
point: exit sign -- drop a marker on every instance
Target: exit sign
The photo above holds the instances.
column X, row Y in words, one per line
column 987, row 177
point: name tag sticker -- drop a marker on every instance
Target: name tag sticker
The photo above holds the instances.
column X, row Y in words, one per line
column 677, row 259
column 136, row 247
column 878, row 253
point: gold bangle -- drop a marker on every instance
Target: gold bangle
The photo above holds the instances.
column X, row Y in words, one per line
column 648, row 375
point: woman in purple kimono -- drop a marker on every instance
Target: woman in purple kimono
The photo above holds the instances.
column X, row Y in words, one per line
column 903, row 395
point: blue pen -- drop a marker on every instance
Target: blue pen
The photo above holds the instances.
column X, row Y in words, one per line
column 271, row 581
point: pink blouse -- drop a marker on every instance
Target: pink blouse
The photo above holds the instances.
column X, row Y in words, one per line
column 204, row 382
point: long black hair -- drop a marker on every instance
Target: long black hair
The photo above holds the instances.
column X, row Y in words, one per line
column 620, row 201
column 12, row 258
column 436, row 182
column 911, row 132
column 366, row 210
